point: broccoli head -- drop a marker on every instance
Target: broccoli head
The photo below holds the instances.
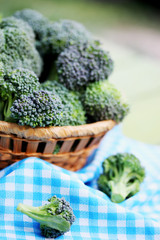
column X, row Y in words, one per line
column 74, row 113
column 37, row 21
column 102, row 101
column 64, row 33
column 18, row 23
column 38, row 109
column 16, row 83
column 121, row 177
column 79, row 65
column 18, row 50
column 55, row 218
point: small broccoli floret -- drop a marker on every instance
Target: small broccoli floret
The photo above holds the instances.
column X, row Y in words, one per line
column 64, row 33
column 121, row 177
column 55, row 218
column 74, row 113
column 102, row 101
column 39, row 109
column 37, row 21
column 17, row 50
column 79, row 65
column 12, row 86
column 18, row 23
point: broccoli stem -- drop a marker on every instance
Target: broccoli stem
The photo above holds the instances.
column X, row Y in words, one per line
column 7, row 106
column 122, row 187
column 38, row 214
column 1, row 110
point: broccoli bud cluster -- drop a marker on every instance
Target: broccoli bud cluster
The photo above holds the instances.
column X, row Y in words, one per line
column 18, row 23
column 64, row 33
column 16, row 83
column 78, row 65
column 19, row 82
column 102, row 101
column 17, row 47
column 38, row 109
column 74, row 113
column 37, row 22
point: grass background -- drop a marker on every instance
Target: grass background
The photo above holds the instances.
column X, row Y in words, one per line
column 136, row 73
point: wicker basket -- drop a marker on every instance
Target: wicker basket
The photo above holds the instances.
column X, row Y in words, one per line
column 76, row 143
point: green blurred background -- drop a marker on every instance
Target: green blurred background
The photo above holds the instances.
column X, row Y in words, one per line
column 130, row 32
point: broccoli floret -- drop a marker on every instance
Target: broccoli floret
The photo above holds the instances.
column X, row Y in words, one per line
column 38, row 109
column 13, row 85
column 37, row 21
column 17, row 50
column 121, row 177
column 41, row 27
column 55, row 218
column 64, row 33
column 102, row 101
column 74, row 113
column 18, row 23
column 79, row 65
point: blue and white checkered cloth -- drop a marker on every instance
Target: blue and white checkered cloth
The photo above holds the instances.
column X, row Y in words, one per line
column 32, row 181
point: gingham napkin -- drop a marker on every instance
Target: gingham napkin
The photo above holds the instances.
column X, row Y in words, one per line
column 32, row 181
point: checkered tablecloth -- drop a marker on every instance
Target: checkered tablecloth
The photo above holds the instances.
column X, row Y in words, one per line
column 32, row 181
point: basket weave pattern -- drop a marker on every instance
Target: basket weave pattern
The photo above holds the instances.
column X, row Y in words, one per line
column 76, row 143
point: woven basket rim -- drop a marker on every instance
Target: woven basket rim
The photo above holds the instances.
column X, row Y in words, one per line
column 57, row 132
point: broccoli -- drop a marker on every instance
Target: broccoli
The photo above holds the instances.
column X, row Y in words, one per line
column 102, row 101
column 37, row 21
column 64, row 33
column 53, row 36
column 17, row 49
column 18, row 23
column 38, row 109
column 121, row 177
column 41, row 27
column 79, row 65
column 16, row 83
column 74, row 113
column 55, row 218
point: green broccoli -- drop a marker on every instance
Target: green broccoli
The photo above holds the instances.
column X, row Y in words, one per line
column 79, row 65
column 41, row 27
column 38, row 109
column 55, row 218
column 17, row 49
column 74, row 113
column 121, row 177
column 64, row 33
column 18, row 23
column 16, row 83
column 102, row 101
column 37, row 21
